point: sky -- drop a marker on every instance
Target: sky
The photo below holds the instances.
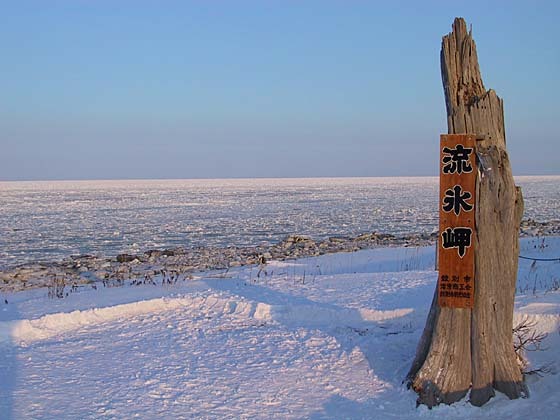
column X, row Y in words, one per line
column 95, row 89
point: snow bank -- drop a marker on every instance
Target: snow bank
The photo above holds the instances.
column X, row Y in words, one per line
column 26, row 331
column 30, row 330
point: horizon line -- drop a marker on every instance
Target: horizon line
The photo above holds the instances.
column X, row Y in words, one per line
column 242, row 178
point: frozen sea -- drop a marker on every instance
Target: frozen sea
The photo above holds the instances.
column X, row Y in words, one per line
column 50, row 220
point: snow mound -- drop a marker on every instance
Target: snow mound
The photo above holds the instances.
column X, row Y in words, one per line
column 31, row 330
column 47, row 326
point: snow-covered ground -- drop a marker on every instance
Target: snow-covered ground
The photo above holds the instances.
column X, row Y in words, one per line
column 323, row 337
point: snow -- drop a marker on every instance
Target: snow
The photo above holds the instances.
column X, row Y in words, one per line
column 327, row 337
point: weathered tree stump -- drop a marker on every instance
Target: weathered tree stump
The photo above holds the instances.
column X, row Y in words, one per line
column 472, row 349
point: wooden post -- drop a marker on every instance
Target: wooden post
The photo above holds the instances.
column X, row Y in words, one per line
column 464, row 349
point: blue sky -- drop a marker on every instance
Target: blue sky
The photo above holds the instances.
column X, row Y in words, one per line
column 212, row 89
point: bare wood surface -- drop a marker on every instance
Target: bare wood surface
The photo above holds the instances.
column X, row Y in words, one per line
column 464, row 349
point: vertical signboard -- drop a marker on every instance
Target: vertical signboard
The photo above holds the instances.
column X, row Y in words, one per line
column 457, row 201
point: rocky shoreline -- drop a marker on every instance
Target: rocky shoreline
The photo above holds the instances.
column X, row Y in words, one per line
column 172, row 265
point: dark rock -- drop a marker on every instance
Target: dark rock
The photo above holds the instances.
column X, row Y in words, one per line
column 122, row 258
column 335, row 239
column 153, row 253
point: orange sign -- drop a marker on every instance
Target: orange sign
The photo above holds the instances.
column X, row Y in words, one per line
column 457, row 201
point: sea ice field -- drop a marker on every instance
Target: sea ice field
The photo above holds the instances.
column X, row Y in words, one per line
column 50, row 220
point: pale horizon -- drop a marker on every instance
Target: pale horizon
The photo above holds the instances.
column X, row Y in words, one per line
column 264, row 178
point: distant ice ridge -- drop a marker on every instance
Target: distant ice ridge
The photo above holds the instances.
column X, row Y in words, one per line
column 47, row 221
